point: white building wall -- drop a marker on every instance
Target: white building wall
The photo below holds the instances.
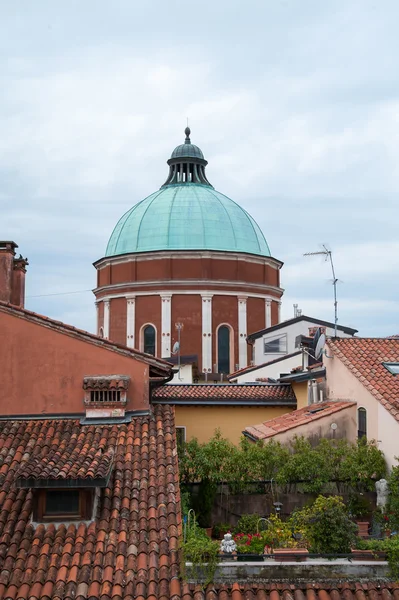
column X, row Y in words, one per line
column 291, row 331
column 186, row 375
column 274, row 371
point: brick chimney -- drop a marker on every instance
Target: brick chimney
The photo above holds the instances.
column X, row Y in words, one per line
column 12, row 274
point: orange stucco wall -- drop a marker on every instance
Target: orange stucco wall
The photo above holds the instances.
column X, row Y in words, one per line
column 42, row 369
column 201, row 422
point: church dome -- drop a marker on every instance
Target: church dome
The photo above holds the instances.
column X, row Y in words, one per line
column 187, row 213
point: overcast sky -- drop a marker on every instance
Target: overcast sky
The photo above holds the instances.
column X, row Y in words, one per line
column 295, row 105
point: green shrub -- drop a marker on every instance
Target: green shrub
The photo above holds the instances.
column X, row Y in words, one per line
column 359, row 506
column 327, row 526
column 393, row 500
column 202, row 552
column 278, row 534
column 220, row 529
column 247, row 524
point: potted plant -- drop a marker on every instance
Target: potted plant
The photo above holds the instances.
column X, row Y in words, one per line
column 360, row 510
column 369, row 550
column 327, row 525
column 250, row 546
column 220, row 529
column 202, row 553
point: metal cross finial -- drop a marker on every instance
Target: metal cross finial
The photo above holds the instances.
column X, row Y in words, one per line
column 187, row 131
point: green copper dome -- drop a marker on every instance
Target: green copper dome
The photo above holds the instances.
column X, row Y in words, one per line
column 187, row 213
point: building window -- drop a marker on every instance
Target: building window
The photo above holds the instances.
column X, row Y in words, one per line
column 180, row 437
column 101, row 332
column 149, row 339
column 361, row 423
column 61, row 504
column 393, row 367
column 223, row 341
column 275, row 345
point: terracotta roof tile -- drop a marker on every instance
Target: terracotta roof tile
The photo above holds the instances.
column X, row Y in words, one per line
column 299, row 591
column 364, row 357
column 294, row 419
column 236, row 393
column 114, row 553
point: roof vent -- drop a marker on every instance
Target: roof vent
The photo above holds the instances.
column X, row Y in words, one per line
column 105, row 396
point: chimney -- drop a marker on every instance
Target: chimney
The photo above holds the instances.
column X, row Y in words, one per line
column 7, row 253
column 12, row 274
column 18, row 281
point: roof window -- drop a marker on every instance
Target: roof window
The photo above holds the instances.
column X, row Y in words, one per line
column 60, row 504
column 393, row 367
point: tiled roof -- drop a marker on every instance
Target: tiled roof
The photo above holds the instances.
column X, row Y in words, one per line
column 294, row 419
column 257, row 334
column 285, row 591
column 364, row 358
column 265, row 364
column 64, row 451
column 129, row 551
column 17, row 311
column 230, row 393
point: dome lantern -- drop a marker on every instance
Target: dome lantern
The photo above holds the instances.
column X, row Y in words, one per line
column 187, row 164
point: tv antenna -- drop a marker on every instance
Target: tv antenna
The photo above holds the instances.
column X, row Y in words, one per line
column 328, row 256
column 177, row 345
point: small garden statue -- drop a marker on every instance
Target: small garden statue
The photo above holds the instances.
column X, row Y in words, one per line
column 382, row 490
column 228, row 545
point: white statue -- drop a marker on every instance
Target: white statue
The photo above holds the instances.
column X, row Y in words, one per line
column 381, row 487
column 228, row 545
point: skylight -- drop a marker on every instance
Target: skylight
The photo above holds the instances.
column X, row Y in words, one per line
column 393, row 367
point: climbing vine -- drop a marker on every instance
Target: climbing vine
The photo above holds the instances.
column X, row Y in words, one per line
column 218, row 460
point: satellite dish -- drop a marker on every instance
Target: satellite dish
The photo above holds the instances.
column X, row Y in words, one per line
column 176, row 348
column 320, row 346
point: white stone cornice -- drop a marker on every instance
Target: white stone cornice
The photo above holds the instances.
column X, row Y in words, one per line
column 206, row 283
column 188, row 292
column 188, row 255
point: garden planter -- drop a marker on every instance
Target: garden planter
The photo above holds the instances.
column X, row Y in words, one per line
column 290, row 554
column 363, row 528
column 249, row 558
column 357, row 554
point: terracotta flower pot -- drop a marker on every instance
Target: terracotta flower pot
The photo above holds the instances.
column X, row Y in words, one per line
column 363, row 528
column 367, row 554
column 290, row 554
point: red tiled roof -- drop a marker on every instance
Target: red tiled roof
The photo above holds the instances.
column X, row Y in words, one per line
column 65, row 453
column 298, row 591
column 265, row 364
column 285, row 591
column 364, row 358
column 130, row 550
column 294, row 419
column 256, row 393
column 23, row 313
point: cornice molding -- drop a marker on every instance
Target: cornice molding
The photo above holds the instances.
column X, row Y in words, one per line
column 202, row 293
column 187, row 255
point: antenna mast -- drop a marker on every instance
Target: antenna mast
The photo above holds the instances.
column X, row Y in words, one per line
column 328, row 254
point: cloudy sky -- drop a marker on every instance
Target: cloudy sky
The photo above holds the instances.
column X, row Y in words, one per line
column 295, row 105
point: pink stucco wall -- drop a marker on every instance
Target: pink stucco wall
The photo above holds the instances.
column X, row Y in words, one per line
column 381, row 426
column 344, row 419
